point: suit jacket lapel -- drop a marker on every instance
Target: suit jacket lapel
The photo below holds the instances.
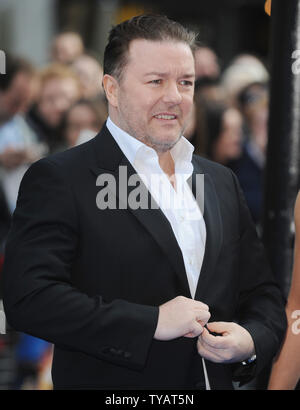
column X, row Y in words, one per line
column 214, row 231
column 110, row 159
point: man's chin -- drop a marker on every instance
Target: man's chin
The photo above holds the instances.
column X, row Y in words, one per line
column 163, row 144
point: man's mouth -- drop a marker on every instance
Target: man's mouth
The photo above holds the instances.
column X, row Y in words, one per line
column 165, row 116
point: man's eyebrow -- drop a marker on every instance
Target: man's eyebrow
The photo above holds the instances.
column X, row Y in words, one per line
column 159, row 74
column 191, row 76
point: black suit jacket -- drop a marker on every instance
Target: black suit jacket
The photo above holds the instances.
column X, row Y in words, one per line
column 90, row 281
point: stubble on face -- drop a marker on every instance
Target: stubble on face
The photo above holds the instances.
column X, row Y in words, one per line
column 158, row 146
column 137, row 129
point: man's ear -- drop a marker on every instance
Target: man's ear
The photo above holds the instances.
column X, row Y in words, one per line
column 111, row 86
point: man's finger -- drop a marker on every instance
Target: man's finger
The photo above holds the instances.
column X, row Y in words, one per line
column 196, row 330
column 215, row 342
column 219, row 327
column 203, row 317
column 200, row 305
column 207, row 352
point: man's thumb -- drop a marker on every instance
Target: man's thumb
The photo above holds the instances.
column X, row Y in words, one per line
column 217, row 327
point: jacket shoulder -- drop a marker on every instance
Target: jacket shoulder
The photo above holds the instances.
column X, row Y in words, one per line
column 68, row 161
column 211, row 167
column 75, row 155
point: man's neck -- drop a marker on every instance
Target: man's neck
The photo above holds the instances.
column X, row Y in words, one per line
column 166, row 163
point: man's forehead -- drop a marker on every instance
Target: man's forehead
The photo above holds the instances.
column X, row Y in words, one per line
column 141, row 44
column 154, row 55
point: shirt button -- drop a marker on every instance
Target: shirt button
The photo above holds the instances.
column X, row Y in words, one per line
column 191, row 262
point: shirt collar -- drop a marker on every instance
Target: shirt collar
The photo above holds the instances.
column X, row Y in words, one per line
column 181, row 153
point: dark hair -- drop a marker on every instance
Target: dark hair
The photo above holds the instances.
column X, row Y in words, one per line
column 206, row 81
column 147, row 27
column 14, row 65
column 214, row 117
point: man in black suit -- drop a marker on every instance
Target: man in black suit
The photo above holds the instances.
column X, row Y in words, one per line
column 122, row 274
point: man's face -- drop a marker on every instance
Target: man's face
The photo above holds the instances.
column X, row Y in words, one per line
column 66, row 48
column 155, row 94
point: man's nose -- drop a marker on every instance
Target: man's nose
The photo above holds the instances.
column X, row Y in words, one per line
column 172, row 94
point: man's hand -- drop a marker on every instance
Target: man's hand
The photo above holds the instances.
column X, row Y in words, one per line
column 234, row 344
column 181, row 317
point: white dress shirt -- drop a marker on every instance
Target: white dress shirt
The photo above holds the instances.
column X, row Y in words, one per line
column 179, row 206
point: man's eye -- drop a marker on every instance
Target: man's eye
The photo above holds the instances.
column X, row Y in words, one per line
column 156, row 81
column 186, row 83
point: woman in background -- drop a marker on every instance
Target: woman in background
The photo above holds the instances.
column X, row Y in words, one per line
column 83, row 121
column 217, row 132
column 286, row 368
column 223, row 133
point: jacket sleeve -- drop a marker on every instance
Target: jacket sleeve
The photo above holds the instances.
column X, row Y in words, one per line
column 39, row 298
column 261, row 305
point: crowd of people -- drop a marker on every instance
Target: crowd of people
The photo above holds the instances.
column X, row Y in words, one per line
column 53, row 108
column 230, row 123
column 43, row 111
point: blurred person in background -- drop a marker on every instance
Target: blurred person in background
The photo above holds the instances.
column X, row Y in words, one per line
column 207, row 71
column 206, row 63
column 253, row 101
column 209, row 89
column 217, row 133
column 19, row 147
column 59, row 89
column 18, row 88
column 30, row 353
column 67, row 47
column 223, row 133
column 21, row 143
column 84, row 116
column 254, row 105
column 244, row 70
column 90, row 73
column 15, row 87
column 285, row 373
